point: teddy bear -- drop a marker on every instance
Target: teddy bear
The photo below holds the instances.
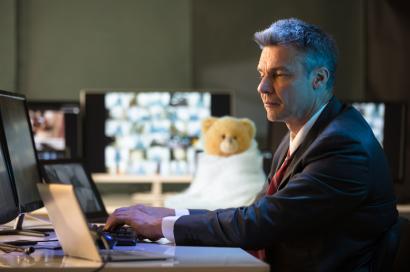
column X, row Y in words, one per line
column 227, row 136
column 229, row 171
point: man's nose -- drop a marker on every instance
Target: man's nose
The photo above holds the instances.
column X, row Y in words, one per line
column 265, row 86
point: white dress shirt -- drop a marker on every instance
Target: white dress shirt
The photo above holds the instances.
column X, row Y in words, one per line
column 168, row 222
column 301, row 135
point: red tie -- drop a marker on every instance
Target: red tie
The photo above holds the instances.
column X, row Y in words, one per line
column 273, row 188
column 277, row 178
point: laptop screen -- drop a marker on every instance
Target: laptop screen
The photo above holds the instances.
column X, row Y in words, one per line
column 73, row 172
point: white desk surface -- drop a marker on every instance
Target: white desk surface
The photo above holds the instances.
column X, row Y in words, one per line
column 184, row 259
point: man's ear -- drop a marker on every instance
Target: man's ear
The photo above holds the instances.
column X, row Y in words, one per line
column 321, row 77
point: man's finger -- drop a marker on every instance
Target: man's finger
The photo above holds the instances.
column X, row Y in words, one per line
column 113, row 221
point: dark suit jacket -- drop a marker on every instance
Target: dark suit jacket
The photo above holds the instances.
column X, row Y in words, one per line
column 334, row 203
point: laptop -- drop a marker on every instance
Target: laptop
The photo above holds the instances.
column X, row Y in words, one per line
column 72, row 229
column 73, row 171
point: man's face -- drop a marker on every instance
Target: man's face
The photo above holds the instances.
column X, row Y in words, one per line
column 285, row 87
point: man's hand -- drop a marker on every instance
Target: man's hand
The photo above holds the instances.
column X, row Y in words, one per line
column 145, row 220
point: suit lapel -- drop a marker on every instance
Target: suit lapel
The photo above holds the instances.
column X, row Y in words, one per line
column 331, row 110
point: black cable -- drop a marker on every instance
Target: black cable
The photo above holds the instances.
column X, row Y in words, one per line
column 11, row 248
column 101, row 267
column 101, row 237
column 28, row 242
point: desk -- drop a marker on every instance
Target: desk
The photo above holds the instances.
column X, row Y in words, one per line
column 185, row 259
column 155, row 197
column 404, row 210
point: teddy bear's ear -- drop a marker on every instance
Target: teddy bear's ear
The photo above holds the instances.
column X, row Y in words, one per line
column 207, row 123
column 249, row 126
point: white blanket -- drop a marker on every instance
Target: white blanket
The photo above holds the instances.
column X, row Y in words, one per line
column 223, row 182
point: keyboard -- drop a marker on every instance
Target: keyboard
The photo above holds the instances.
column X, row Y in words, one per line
column 124, row 236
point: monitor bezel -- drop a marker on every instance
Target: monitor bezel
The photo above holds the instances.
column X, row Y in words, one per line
column 89, row 215
column 12, row 213
column 52, row 104
column 37, row 204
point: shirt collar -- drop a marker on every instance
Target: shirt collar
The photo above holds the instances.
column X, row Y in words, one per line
column 301, row 135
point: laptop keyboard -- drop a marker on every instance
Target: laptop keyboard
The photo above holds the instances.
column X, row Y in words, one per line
column 124, row 236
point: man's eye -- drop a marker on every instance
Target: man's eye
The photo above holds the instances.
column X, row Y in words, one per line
column 280, row 75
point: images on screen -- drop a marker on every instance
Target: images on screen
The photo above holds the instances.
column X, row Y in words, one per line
column 55, row 128
column 154, row 132
column 373, row 113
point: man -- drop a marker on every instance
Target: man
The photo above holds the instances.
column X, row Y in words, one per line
column 330, row 196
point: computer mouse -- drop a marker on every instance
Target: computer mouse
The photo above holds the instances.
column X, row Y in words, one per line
column 103, row 240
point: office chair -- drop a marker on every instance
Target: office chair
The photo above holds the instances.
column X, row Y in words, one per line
column 386, row 249
column 402, row 260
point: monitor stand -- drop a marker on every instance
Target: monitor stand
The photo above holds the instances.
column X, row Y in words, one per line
column 18, row 229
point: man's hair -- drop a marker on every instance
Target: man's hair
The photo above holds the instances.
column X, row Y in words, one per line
column 319, row 47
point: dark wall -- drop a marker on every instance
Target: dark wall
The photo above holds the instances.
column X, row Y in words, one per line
column 65, row 46
column 225, row 55
column 8, row 45
column 388, row 56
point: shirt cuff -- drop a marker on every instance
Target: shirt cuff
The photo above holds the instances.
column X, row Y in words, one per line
column 167, row 227
column 181, row 212
column 168, row 222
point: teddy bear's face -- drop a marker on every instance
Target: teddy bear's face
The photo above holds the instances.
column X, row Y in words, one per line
column 227, row 136
column 229, row 144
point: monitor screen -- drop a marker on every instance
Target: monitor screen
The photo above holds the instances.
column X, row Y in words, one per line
column 55, row 128
column 387, row 120
column 9, row 206
column 20, row 150
column 73, row 172
column 145, row 133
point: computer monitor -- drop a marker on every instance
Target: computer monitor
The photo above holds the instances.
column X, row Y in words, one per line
column 55, row 128
column 9, row 206
column 388, row 122
column 74, row 172
column 20, row 152
column 147, row 132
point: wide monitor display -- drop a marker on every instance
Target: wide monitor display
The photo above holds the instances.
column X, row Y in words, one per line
column 20, row 150
column 55, row 128
column 387, row 120
column 147, row 132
